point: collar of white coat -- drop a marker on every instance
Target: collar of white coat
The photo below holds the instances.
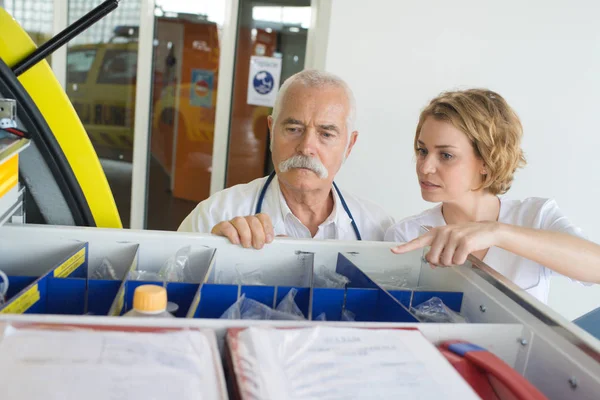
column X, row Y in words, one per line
column 338, row 215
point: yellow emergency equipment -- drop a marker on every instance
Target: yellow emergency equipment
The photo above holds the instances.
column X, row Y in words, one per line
column 58, row 112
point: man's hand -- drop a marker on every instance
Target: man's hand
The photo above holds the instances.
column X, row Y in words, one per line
column 251, row 231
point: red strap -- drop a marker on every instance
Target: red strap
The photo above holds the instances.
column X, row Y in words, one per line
column 515, row 382
column 16, row 132
column 474, row 376
column 497, row 370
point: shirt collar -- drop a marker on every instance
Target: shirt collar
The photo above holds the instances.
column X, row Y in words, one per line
column 338, row 215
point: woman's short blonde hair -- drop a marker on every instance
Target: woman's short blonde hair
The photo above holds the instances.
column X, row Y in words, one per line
column 491, row 125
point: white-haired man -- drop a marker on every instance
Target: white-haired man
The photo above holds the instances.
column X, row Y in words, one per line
column 312, row 134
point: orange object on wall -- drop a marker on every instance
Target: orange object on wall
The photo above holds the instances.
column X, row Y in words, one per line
column 248, row 130
column 184, row 117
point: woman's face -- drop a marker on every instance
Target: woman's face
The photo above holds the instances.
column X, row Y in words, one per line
column 447, row 166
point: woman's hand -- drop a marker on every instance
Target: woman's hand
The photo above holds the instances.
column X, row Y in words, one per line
column 568, row 255
column 451, row 244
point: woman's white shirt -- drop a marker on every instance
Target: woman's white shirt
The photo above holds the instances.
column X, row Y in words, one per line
column 536, row 213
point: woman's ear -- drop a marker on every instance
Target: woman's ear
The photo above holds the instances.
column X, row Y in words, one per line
column 484, row 170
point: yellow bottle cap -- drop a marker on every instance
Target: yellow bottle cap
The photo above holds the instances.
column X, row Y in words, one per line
column 150, row 298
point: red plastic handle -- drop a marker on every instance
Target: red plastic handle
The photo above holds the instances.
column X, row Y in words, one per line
column 496, row 369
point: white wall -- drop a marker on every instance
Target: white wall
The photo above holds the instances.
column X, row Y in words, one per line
column 542, row 56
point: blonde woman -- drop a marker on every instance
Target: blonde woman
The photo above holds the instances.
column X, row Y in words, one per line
column 468, row 147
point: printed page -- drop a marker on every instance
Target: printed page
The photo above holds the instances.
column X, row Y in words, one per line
column 345, row 363
column 85, row 364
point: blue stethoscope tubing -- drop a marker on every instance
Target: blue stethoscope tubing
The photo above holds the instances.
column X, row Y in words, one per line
column 263, row 192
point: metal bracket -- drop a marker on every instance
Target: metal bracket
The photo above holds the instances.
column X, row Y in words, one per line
column 8, row 113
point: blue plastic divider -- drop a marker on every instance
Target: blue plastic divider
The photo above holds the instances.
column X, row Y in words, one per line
column 262, row 294
column 368, row 305
column 358, row 279
column 51, row 293
column 182, row 294
column 101, row 294
column 18, row 283
column 215, row 300
column 329, row 301
column 65, row 290
column 384, row 307
column 364, row 303
column 403, row 296
column 407, row 298
column 302, row 298
column 389, row 310
column 66, row 296
column 363, row 297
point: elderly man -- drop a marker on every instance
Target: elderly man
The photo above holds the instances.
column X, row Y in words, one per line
column 312, row 134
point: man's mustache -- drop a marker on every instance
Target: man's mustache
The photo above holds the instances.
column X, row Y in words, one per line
column 302, row 161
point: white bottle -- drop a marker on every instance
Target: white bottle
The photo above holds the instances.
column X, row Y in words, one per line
column 149, row 301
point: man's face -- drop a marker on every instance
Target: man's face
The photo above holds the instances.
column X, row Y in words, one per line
column 310, row 137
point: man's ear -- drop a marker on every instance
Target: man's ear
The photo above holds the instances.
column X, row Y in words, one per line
column 270, row 124
column 353, row 138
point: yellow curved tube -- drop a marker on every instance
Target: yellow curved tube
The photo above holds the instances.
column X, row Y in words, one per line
column 57, row 110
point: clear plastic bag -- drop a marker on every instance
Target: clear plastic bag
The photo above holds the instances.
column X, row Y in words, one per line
column 246, row 308
column 348, row 315
column 288, row 304
column 139, row 275
column 390, row 280
column 176, row 268
column 321, row 317
column 434, row 310
column 105, row 271
column 253, row 277
column 235, row 310
column 326, row 278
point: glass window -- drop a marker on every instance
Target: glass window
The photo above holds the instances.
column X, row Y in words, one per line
column 101, row 84
column 118, row 67
column 186, row 73
column 79, row 63
column 275, row 31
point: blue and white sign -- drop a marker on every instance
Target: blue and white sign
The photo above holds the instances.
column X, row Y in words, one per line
column 263, row 80
column 202, row 88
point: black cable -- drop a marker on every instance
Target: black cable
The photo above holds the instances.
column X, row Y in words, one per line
column 65, row 35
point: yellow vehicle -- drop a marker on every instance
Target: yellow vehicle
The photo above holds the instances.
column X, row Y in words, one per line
column 101, row 82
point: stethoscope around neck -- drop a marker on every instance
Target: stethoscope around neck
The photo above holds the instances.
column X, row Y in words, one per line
column 263, row 192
